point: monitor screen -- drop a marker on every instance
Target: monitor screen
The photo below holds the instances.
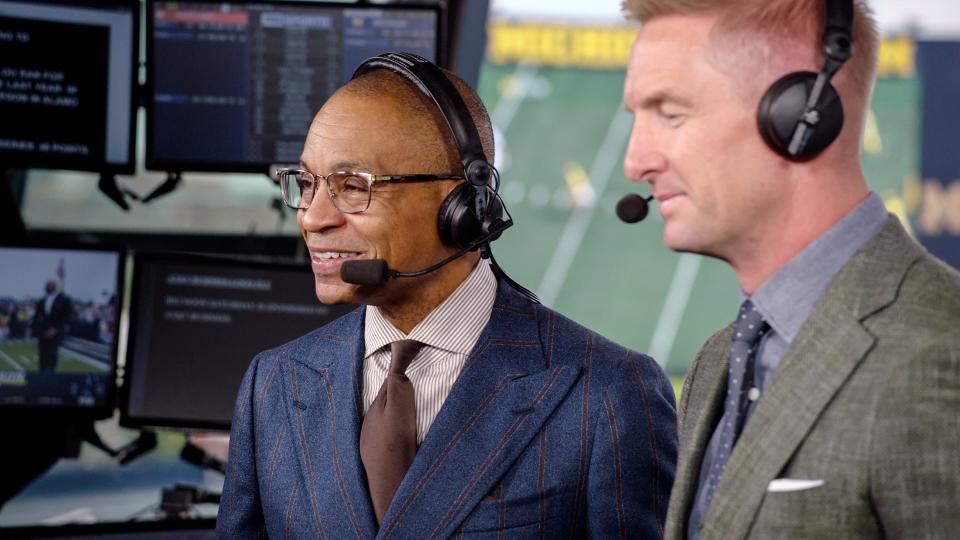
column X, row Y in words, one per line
column 68, row 70
column 59, row 316
column 233, row 86
column 196, row 322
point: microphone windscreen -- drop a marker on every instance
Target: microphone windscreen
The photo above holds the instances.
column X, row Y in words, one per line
column 364, row 272
column 632, row 208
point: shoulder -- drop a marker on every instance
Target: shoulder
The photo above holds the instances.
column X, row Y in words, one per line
column 920, row 327
column 925, row 311
column 607, row 363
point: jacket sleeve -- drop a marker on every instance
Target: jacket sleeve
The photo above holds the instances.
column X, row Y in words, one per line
column 633, row 459
column 915, row 462
column 240, row 515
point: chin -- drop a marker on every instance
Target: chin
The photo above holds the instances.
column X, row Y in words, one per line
column 684, row 241
column 337, row 293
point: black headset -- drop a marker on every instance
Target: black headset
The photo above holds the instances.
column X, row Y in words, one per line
column 473, row 209
column 801, row 113
column 471, row 216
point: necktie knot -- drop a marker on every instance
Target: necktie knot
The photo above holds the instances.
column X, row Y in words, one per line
column 401, row 354
column 750, row 326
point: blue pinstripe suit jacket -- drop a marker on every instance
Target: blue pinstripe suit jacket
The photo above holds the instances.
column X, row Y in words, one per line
column 550, row 430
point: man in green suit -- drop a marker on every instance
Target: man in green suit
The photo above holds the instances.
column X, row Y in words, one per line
column 830, row 408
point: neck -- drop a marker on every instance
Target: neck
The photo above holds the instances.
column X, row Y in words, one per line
column 421, row 295
column 807, row 214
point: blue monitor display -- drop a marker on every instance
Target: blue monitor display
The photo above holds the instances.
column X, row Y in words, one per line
column 233, row 86
column 59, row 318
column 68, row 71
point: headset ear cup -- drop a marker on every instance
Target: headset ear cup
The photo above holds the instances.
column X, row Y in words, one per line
column 456, row 221
column 782, row 107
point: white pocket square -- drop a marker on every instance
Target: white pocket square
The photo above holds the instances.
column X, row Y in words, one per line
column 783, row 485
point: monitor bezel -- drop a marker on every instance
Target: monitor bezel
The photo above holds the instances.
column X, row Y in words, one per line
column 137, row 303
column 129, row 166
column 154, row 164
column 74, row 412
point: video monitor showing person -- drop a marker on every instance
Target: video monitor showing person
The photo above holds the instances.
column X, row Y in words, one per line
column 68, row 70
column 196, row 323
column 59, row 317
column 233, row 86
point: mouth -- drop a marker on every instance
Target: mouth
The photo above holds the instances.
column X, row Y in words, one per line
column 662, row 196
column 328, row 261
column 667, row 200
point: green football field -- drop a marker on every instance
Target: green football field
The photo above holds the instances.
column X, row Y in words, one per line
column 22, row 356
column 565, row 132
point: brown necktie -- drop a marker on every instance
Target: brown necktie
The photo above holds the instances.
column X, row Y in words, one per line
column 388, row 438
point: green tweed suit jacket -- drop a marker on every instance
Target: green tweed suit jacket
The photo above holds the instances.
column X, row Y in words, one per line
column 860, row 426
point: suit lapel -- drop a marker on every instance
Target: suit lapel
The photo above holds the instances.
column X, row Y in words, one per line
column 697, row 421
column 498, row 404
column 323, row 395
column 828, row 348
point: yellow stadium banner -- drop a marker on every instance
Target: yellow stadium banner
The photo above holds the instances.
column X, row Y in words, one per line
column 560, row 46
column 608, row 47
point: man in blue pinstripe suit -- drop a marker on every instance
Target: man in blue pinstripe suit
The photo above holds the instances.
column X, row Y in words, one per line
column 527, row 424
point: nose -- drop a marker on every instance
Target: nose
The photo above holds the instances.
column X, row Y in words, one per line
column 321, row 215
column 642, row 161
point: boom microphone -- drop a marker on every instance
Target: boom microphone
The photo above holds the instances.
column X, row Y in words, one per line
column 632, row 208
column 376, row 271
column 365, row 272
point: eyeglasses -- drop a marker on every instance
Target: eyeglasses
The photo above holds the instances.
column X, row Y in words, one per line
column 350, row 192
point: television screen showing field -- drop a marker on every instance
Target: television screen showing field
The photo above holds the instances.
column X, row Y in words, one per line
column 58, row 322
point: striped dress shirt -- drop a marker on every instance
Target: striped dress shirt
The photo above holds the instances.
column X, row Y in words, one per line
column 448, row 333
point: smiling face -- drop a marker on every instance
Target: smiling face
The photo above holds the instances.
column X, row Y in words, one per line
column 696, row 142
column 355, row 131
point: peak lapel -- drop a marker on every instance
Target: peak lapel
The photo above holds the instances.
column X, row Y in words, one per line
column 323, row 384
column 828, row 348
column 501, row 399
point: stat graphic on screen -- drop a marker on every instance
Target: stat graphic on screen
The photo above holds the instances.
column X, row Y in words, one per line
column 66, row 84
column 59, row 317
column 233, row 86
column 197, row 322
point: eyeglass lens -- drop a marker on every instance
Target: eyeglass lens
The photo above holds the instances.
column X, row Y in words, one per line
column 350, row 193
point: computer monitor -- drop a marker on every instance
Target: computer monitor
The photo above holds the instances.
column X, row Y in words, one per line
column 233, row 86
column 59, row 317
column 68, row 70
column 196, row 322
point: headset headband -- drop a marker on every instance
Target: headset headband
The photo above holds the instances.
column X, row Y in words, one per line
column 838, row 34
column 432, row 82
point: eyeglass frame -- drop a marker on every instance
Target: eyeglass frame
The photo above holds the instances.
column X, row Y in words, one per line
column 370, row 178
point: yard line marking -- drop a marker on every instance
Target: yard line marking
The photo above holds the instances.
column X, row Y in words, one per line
column 674, row 305
column 508, row 105
column 608, row 157
column 10, row 361
column 80, row 357
column 27, row 361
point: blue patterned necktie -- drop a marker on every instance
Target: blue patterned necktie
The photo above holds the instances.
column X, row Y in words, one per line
column 747, row 333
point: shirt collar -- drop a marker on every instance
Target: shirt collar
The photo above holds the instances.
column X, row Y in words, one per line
column 454, row 325
column 789, row 296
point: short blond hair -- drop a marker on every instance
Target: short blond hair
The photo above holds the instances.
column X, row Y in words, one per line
column 743, row 23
